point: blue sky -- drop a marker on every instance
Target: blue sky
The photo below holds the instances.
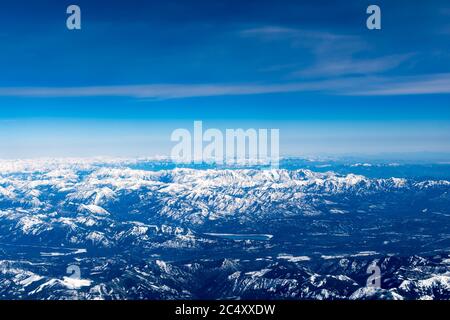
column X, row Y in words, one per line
column 139, row 69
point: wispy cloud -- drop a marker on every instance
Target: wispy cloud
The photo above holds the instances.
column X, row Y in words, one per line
column 159, row 91
column 334, row 54
column 278, row 32
column 318, row 42
column 445, row 11
column 416, row 85
column 445, row 30
column 269, row 32
column 351, row 66
column 413, row 85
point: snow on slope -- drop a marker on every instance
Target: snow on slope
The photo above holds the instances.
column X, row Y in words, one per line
column 103, row 186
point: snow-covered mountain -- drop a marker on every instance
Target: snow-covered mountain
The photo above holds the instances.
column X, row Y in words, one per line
column 272, row 232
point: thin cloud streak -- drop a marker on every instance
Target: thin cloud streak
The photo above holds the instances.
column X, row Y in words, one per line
column 334, row 54
column 429, row 84
column 354, row 67
column 163, row 91
column 370, row 86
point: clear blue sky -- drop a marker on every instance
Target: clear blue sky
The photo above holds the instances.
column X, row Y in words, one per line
column 139, row 69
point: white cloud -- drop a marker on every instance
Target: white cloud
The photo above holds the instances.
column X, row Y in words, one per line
column 400, row 85
column 427, row 84
column 353, row 67
column 269, row 31
column 333, row 54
